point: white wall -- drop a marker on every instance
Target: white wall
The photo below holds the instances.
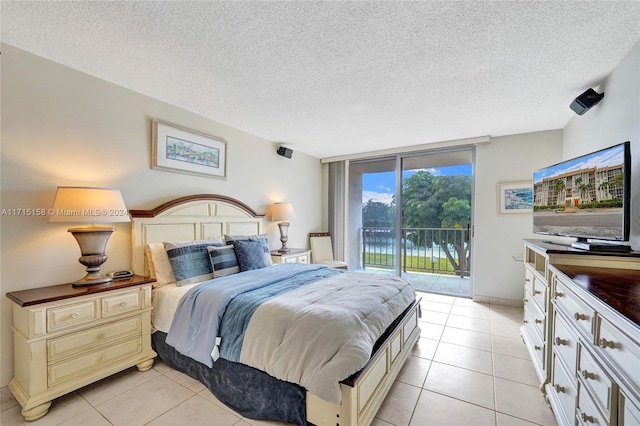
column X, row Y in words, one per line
column 498, row 237
column 63, row 127
column 615, row 119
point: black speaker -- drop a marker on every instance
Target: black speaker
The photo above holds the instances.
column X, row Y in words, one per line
column 584, row 102
column 285, row 152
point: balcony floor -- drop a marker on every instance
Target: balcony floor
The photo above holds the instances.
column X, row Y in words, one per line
column 450, row 285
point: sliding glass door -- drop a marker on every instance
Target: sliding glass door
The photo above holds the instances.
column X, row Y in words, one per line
column 412, row 217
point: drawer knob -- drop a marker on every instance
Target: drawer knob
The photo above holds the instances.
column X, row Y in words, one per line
column 579, row 316
column 75, row 315
column 560, row 341
column 538, row 321
column 525, row 301
column 559, row 294
column 559, row 389
column 123, row 304
column 586, row 418
column 588, row 375
column 535, row 292
column 525, row 321
column 604, row 343
column 527, row 280
column 537, row 348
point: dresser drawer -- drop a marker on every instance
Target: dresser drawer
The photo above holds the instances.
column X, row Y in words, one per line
column 114, row 305
column 596, row 380
column 540, row 293
column 534, row 342
column 68, row 345
column 564, row 388
column 578, row 313
column 536, row 318
column 620, row 349
column 629, row 412
column 587, row 413
column 528, row 280
column 565, row 342
column 85, row 364
column 61, row 317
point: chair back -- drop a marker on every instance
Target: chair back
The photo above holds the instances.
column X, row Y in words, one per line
column 321, row 247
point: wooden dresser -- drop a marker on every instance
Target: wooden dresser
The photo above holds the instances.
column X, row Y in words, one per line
column 582, row 328
column 67, row 337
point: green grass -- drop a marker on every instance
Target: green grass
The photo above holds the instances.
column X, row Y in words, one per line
column 414, row 263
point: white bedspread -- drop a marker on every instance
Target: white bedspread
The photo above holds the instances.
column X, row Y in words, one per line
column 320, row 334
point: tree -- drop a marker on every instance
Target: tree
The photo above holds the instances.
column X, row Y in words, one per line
column 375, row 213
column 430, row 201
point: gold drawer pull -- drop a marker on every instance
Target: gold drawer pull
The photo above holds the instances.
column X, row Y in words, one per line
column 537, row 348
column 579, row 316
column 525, row 301
column 538, row 321
column 123, row 304
column 535, row 292
column 75, row 315
column 588, row 375
column 604, row 343
column 559, row 294
column 527, row 280
column 525, row 322
column 560, row 341
column 586, row 418
column 559, row 389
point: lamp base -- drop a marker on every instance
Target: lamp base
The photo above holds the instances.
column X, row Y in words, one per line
column 284, row 237
column 90, row 279
column 92, row 241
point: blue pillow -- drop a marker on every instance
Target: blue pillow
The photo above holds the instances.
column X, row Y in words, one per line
column 190, row 262
column 250, row 255
column 262, row 238
column 223, row 260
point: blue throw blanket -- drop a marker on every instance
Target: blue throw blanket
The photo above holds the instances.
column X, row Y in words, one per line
column 198, row 321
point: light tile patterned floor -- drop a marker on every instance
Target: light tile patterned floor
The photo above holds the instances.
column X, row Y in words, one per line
column 470, row 367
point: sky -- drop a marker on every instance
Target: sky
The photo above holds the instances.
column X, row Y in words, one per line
column 381, row 186
column 608, row 157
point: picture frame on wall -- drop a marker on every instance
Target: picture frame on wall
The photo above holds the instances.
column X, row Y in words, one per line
column 515, row 197
column 180, row 150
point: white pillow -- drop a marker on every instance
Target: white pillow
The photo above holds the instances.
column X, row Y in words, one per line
column 159, row 265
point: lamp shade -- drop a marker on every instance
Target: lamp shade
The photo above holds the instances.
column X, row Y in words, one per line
column 74, row 204
column 282, row 211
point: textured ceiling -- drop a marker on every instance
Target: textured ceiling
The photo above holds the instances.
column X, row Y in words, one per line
column 336, row 78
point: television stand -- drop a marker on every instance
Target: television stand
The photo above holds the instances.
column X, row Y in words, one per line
column 584, row 244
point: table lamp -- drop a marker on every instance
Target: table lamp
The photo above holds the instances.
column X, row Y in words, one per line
column 283, row 212
column 90, row 205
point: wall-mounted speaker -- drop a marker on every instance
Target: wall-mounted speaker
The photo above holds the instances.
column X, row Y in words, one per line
column 585, row 101
column 285, row 152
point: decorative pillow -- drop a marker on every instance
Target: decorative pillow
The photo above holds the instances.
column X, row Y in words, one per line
column 263, row 238
column 159, row 265
column 190, row 260
column 250, row 255
column 223, row 260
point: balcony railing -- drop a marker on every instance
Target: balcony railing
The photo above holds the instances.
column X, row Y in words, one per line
column 435, row 250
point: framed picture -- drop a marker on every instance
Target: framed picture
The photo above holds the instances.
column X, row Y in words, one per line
column 515, row 197
column 181, row 150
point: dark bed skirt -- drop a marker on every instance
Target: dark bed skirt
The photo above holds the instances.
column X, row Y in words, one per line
column 250, row 392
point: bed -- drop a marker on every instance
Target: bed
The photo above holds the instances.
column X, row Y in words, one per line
column 281, row 377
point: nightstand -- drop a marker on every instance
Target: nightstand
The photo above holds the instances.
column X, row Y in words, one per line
column 67, row 337
column 292, row 256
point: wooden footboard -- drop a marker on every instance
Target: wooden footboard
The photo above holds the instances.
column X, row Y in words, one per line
column 363, row 396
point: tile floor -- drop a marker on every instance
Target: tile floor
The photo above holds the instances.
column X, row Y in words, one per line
column 470, row 367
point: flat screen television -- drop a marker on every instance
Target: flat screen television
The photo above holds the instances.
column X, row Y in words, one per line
column 588, row 197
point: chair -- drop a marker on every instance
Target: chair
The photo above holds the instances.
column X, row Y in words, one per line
column 322, row 250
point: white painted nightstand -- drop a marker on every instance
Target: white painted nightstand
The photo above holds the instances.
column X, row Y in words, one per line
column 67, row 337
column 292, row 256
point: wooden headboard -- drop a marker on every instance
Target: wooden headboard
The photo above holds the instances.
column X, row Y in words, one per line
column 194, row 217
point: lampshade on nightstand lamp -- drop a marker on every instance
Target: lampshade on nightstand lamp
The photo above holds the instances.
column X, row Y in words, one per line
column 283, row 212
column 90, row 205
